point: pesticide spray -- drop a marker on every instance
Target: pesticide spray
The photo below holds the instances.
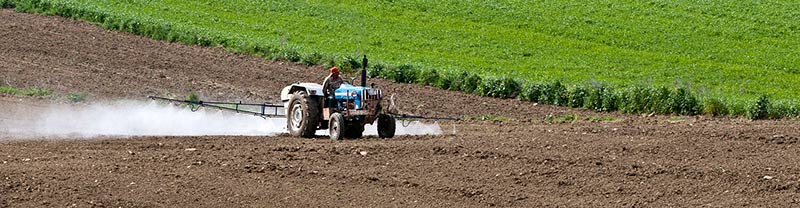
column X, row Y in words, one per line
column 136, row 118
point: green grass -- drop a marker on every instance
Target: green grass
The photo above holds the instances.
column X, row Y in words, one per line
column 607, row 55
column 26, row 92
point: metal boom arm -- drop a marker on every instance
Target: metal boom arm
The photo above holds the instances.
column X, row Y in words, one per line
column 414, row 117
column 234, row 106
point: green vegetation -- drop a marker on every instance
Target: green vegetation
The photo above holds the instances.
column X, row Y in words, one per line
column 193, row 97
column 194, row 100
column 760, row 109
column 669, row 57
column 76, row 97
column 27, row 92
column 714, row 107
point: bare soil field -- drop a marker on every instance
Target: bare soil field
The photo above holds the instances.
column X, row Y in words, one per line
column 525, row 161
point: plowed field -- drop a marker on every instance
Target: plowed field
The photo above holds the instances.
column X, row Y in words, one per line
column 525, row 161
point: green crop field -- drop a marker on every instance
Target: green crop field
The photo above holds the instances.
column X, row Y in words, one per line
column 719, row 56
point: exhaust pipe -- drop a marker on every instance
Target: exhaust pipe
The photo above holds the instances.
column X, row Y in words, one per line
column 364, row 71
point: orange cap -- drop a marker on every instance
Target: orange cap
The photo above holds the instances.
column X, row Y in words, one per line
column 334, row 69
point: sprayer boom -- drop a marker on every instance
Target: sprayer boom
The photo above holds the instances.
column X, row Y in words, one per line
column 264, row 110
column 415, row 117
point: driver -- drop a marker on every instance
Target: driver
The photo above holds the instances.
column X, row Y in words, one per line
column 331, row 83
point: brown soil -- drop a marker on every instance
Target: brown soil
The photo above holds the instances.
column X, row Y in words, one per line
column 523, row 162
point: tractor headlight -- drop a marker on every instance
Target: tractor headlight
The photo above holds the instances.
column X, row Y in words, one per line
column 354, row 94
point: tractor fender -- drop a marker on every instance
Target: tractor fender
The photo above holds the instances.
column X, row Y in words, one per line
column 311, row 89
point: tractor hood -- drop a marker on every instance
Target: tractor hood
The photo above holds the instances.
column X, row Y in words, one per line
column 357, row 94
column 348, row 87
column 348, row 91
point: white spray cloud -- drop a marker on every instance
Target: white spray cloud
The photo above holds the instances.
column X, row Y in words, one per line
column 134, row 118
column 131, row 118
column 407, row 128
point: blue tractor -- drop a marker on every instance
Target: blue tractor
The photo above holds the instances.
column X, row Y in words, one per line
column 308, row 110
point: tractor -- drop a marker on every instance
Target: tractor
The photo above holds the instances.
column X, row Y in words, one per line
column 308, row 110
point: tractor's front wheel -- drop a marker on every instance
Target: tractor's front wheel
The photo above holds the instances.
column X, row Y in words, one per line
column 386, row 126
column 336, row 126
column 303, row 116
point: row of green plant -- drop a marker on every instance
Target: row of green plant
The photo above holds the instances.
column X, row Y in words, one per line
column 633, row 100
column 599, row 97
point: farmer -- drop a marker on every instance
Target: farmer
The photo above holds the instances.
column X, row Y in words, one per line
column 330, row 85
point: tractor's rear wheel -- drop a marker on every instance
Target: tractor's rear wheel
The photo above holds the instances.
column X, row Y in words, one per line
column 303, row 116
column 336, row 126
column 386, row 126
